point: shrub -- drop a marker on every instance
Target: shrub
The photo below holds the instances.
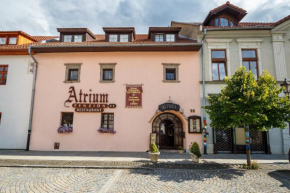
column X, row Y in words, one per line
column 180, row 148
column 195, row 149
column 254, row 166
column 153, row 148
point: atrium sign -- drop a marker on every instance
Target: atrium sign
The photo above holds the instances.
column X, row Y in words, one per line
column 168, row 107
column 88, row 102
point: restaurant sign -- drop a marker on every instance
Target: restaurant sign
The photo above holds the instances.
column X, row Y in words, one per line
column 168, row 106
column 134, row 96
column 88, row 102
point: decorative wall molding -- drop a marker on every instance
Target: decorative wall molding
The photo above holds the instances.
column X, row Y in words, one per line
column 251, row 43
column 219, row 44
column 279, row 56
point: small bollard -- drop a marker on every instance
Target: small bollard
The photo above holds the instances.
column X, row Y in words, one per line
column 289, row 155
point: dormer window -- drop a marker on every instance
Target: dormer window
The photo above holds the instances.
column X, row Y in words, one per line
column 224, row 22
column 78, row 38
column 67, row 38
column 72, row 38
column 124, row 38
column 75, row 35
column 170, row 37
column 2, row 40
column 159, row 37
column 8, row 40
column 113, row 38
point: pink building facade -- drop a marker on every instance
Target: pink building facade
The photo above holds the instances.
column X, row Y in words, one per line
column 81, row 99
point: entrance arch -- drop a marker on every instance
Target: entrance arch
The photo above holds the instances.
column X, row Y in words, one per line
column 169, row 131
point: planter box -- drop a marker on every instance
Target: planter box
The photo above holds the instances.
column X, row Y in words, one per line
column 194, row 158
column 154, row 156
column 180, row 151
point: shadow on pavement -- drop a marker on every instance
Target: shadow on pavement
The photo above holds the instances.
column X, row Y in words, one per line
column 283, row 176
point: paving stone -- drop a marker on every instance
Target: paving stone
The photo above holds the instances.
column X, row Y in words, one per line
column 141, row 180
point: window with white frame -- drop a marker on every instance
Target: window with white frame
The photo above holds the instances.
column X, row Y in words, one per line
column 78, row 38
column 159, row 37
column 218, row 65
column 250, row 61
column 124, row 38
column 67, row 38
column 113, row 38
column 170, row 37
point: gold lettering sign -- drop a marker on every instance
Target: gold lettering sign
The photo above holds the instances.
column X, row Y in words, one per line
column 134, row 96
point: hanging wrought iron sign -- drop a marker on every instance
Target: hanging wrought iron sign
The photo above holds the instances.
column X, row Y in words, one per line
column 88, row 102
column 169, row 106
column 134, row 96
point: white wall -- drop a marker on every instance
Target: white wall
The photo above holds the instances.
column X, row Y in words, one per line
column 15, row 99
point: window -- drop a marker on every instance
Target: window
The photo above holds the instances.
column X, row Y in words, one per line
column 3, row 74
column 107, row 74
column 194, row 124
column 250, row 61
column 224, row 22
column 159, row 37
column 67, row 38
column 113, row 38
column 72, row 73
column 218, row 64
column 170, row 37
column 2, row 40
column 170, row 74
column 67, row 119
column 107, row 120
column 78, row 38
column 124, row 38
column 12, row 40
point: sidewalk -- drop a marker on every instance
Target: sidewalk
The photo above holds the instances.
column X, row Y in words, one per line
column 132, row 159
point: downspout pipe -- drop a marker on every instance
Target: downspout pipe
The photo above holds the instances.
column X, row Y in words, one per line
column 205, row 133
column 32, row 98
column 203, row 72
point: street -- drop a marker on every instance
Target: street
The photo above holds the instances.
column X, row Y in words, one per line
column 23, row 179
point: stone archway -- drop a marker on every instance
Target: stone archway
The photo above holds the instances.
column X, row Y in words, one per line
column 169, row 131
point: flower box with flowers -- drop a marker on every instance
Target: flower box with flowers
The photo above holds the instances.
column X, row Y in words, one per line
column 65, row 129
column 106, row 130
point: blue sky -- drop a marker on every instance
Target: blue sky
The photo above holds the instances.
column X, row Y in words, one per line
column 42, row 17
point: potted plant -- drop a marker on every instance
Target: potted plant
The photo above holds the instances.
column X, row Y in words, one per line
column 154, row 152
column 195, row 152
column 180, row 149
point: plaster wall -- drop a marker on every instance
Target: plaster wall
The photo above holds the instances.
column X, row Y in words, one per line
column 15, row 99
column 132, row 126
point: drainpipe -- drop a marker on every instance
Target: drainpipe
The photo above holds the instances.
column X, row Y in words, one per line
column 32, row 98
column 203, row 95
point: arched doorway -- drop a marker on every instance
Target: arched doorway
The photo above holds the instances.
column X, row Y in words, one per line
column 169, row 131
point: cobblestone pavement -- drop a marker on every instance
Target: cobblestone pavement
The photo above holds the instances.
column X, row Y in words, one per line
column 141, row 180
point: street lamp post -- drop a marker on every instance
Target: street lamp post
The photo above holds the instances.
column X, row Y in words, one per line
column 286, row 87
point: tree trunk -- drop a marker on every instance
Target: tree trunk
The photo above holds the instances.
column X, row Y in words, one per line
column 248, row 151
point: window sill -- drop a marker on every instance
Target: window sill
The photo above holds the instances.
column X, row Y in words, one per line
column 171, row 81
column 71, row 81
column 106, row 81
column 194, row 132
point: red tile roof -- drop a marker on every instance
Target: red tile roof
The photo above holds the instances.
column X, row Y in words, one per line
column 227, row 4
column 76, row 30
column 41, row 38
column 282, row 20
column 18, row 33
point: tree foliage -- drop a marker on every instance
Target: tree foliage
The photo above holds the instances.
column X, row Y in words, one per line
column 245, row 101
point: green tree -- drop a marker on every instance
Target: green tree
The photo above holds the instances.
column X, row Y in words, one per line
column 248, row 103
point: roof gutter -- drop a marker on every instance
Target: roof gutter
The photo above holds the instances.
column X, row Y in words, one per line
column 238, row 28
column 117, row 45
column 32, row 98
